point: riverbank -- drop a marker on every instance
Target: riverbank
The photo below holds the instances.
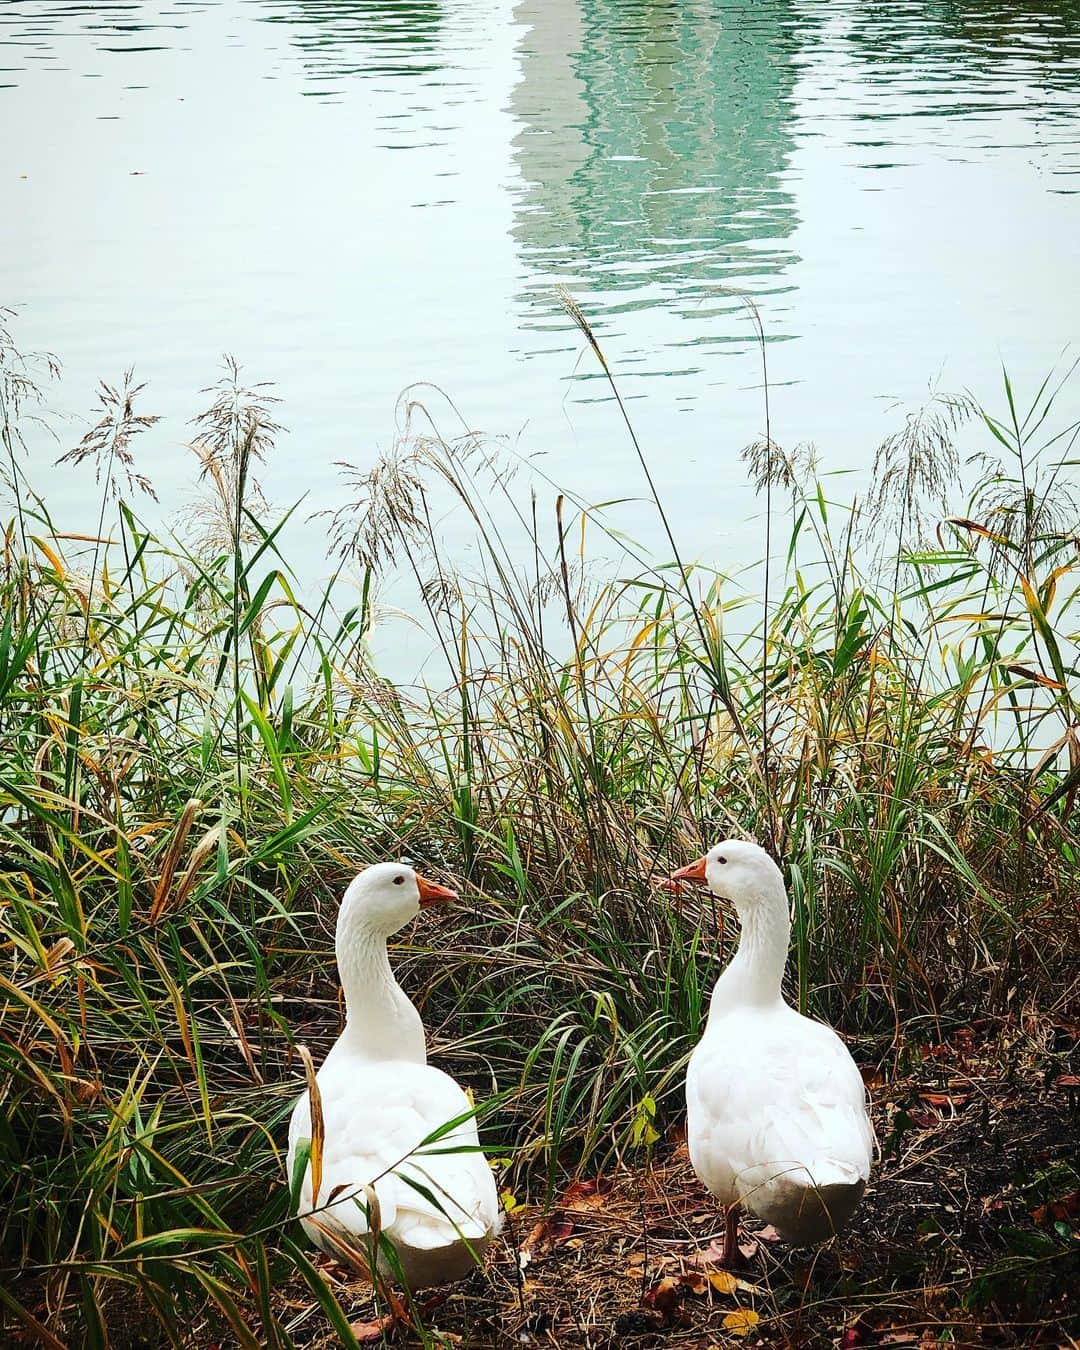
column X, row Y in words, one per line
column 954, row 1244
column 194, row 760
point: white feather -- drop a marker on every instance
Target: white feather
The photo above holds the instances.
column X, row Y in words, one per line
column 437, row 1203
column 776, row 1108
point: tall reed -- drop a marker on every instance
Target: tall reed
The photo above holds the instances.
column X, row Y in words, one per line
column 194, row 760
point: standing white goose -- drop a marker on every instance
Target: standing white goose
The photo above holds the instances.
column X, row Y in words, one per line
column 776, row 1109
column 381, row 1099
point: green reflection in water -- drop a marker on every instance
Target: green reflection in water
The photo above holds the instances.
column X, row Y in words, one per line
column 361, row 37
column 981, row 44
column 652, row 141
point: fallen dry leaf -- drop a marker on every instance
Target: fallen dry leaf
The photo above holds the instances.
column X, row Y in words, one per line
column 585, row 1194
column 544, row 1235
column 665, row 1298
column 945, row 1101
column 1068, row 1207
column 723, row 1282
column 375, row 1331
column 741, row 1322
column 872, row 1075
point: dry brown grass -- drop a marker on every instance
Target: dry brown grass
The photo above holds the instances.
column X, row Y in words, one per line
column 980, row 1140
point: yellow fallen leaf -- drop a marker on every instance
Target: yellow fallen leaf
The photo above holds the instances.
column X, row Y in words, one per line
column 509, row 1201
column 723, row 1282
column 741, row 1322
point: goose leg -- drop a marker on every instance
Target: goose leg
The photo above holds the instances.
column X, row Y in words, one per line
column 727, row 1253
column 731, row 1254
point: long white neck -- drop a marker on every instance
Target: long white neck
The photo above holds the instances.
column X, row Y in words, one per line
column 380, row 1021
column 757, row 968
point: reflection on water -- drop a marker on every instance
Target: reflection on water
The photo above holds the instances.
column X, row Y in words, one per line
column 655, row 137
column 35, row 30
column 995, row 48
column 373, row 37
column 652, row 141
column 334, row 37
column 354, row 195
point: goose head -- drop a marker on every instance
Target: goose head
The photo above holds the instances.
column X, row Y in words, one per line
column 737, row 871
column 386, row 896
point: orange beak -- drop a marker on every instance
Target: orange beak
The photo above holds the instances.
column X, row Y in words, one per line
column 433, row 894
column 694, row 871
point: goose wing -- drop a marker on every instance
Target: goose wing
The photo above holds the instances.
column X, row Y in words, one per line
column 775, row 1093
column 818, row 1116
column 376, row 1117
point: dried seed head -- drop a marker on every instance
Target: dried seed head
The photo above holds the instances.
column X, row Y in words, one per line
column 108, row 442
column 235, row 431
column 386, row 512
column 20, row 377
column 915, row 466
column 772, row 466
column 1028, row 520
column 237, row 426
column 575, row 311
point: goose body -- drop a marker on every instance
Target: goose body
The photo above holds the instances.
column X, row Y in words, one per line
column 380, row 1099
column 776, row 1108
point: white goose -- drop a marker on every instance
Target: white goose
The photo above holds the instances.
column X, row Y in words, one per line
column 381, row 1098
column 776, row 1109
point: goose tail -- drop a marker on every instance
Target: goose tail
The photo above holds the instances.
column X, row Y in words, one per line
column 811, row 1202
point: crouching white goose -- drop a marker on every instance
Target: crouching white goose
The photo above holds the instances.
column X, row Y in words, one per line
column 381, row 1099
column 776, row 1109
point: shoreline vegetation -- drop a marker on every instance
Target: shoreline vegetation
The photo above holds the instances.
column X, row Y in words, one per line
column 195, row 760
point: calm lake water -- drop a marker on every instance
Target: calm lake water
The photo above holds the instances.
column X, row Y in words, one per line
column 353, row 196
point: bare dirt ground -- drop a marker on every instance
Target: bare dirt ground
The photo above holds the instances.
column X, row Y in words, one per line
column 969, row 1234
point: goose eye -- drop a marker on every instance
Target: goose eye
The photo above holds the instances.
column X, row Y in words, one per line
column 721, row 860
column 398, row 881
